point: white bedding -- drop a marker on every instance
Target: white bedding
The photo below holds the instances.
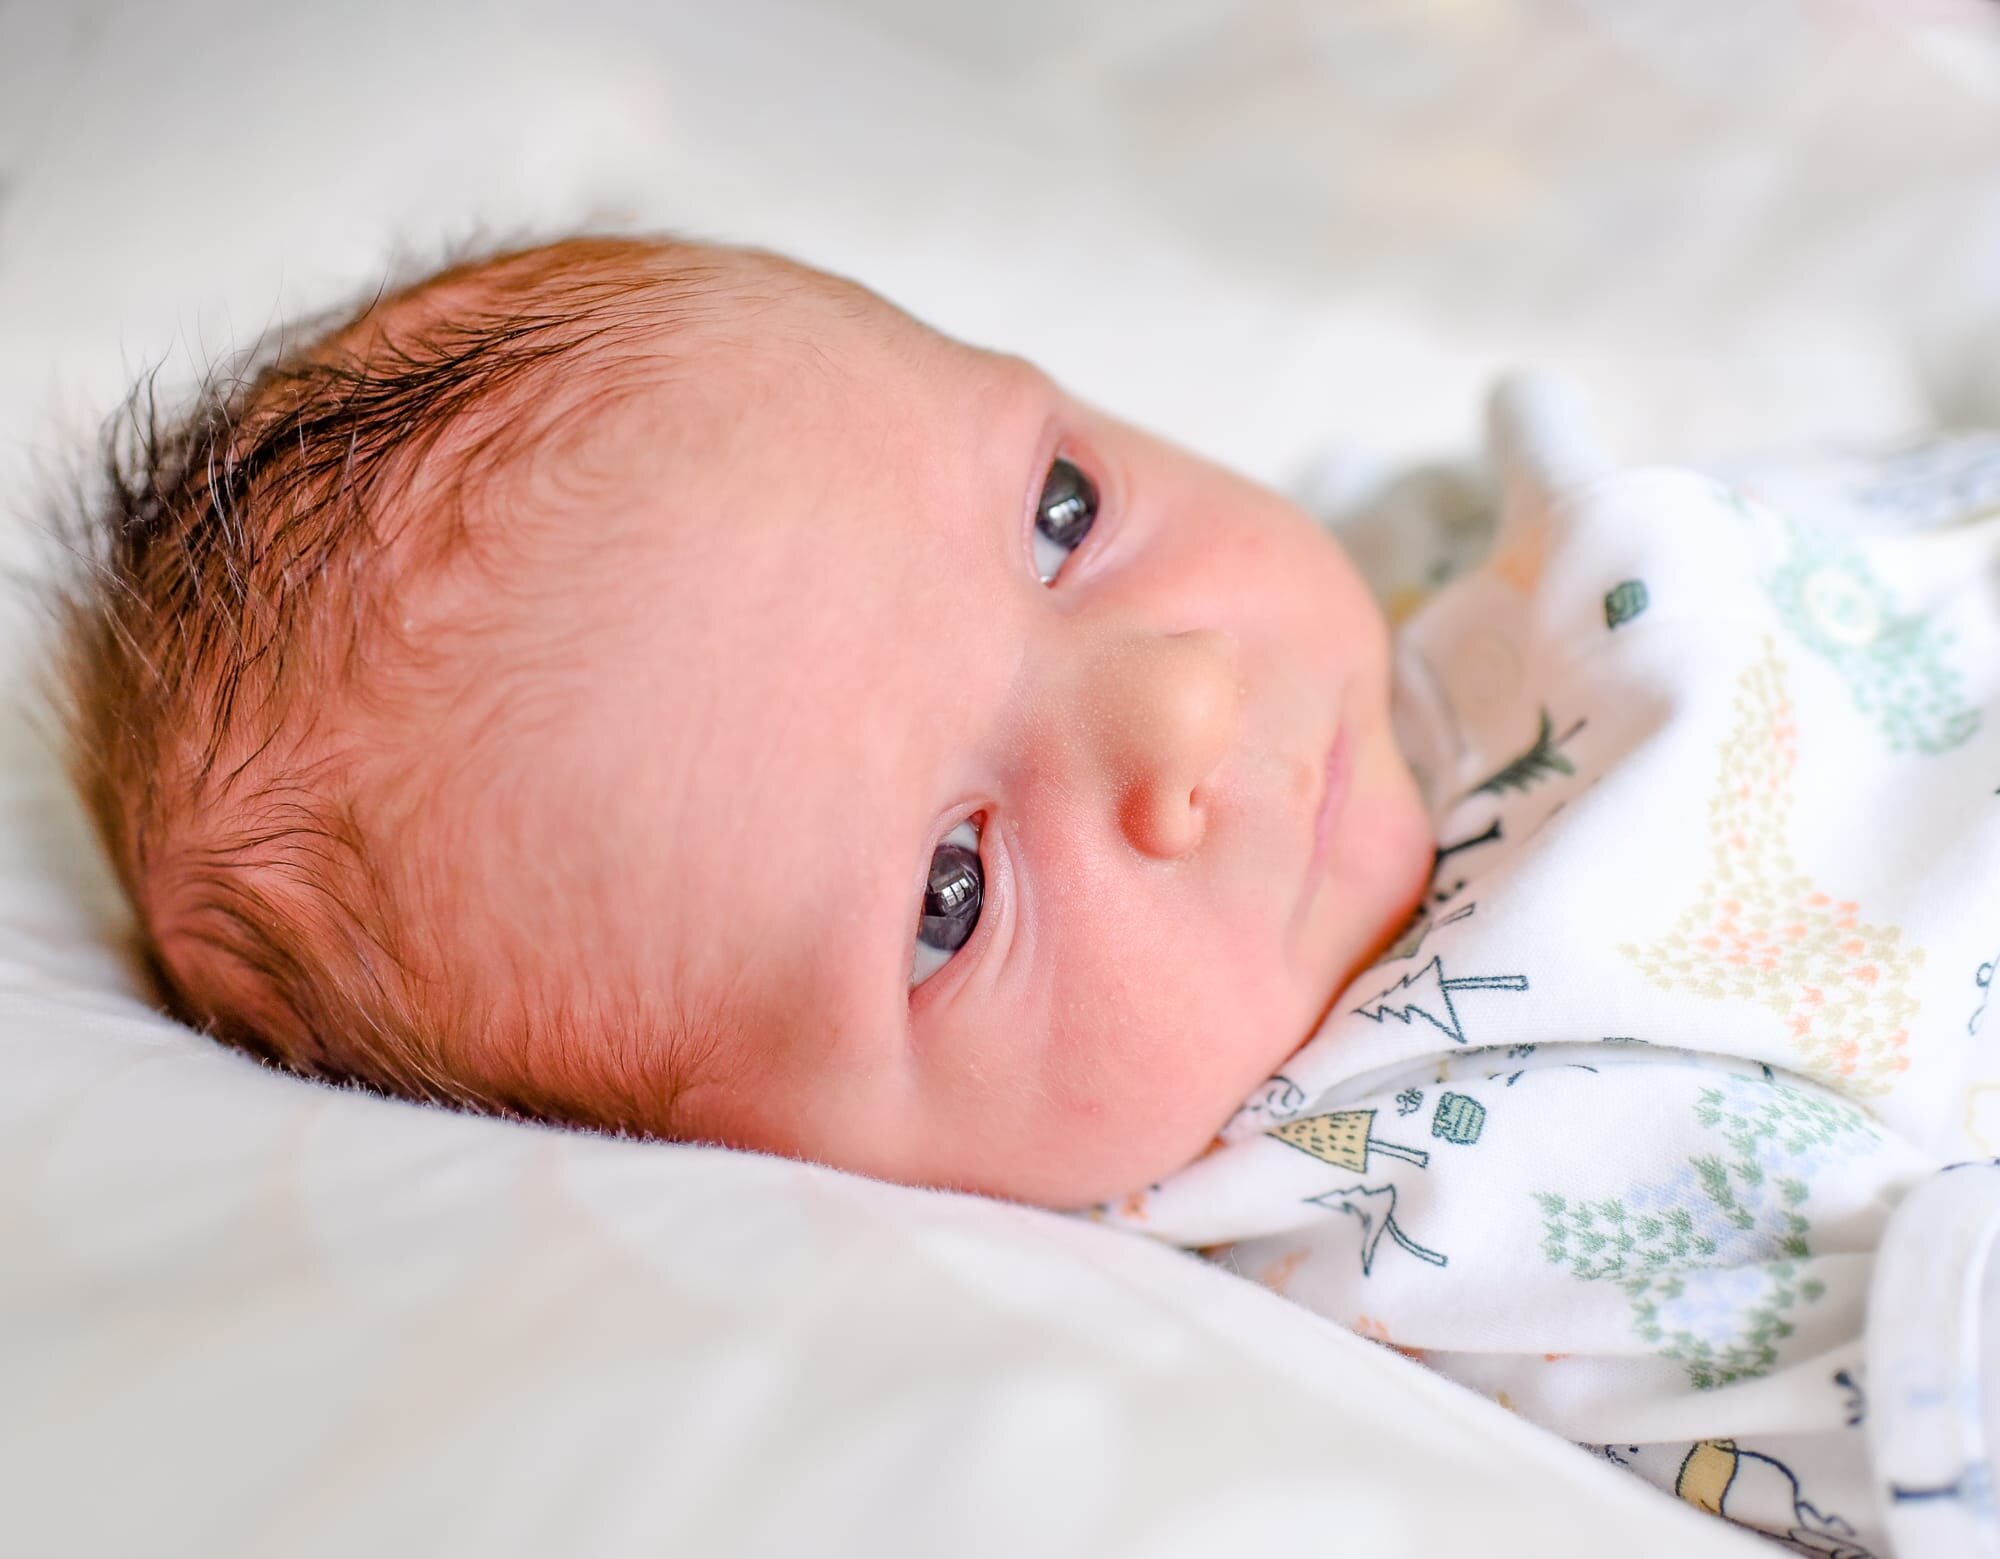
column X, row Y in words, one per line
column 241, row 1314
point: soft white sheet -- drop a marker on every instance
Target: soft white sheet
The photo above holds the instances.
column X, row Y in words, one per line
column 241, row 1314
column 244, row 1315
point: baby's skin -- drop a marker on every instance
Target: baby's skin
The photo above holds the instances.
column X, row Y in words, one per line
column 917, row 623
column 838, row 742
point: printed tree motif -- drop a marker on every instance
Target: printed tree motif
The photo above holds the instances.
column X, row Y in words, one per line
column 1538, row 762
column 1711, row 1259
column 1426, row 993
column 1342, row 1139
column 1374, row 1207
column 1896, row 667
column 1421, row 925
column 1759, row 930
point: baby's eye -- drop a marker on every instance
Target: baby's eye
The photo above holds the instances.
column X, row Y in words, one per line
column 951, row 902
column 1063, row 517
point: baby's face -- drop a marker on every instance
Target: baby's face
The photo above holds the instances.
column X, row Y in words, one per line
column 926, row 672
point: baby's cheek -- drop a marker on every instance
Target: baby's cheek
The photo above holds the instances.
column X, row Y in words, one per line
column 1214, row 1013
column 1166, row 1009
column 1145, row 1061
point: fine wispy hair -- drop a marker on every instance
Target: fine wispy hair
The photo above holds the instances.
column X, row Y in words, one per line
column 230, row 651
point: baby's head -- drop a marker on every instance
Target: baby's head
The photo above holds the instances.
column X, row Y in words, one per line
column 664, row 688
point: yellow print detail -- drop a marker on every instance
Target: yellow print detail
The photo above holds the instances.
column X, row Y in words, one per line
column 1761, row 931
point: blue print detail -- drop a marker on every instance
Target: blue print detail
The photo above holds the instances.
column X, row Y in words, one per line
column 1713, row 1257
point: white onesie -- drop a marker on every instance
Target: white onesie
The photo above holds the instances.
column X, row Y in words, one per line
column 1621, row 1130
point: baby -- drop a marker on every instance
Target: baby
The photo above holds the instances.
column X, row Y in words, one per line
column 663, row 688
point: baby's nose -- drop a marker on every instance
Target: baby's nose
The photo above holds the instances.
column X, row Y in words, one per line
column 1167, row 713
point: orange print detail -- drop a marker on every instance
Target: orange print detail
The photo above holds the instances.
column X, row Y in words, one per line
column 1278, row 1274
column 1773, row 938
column 1374, row 1330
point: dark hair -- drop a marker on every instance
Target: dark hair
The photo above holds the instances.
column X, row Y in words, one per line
column 231, row 644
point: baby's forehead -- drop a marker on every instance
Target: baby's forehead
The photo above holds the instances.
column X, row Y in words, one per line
column 563, row 366
column 567, row 313
column 824, row 412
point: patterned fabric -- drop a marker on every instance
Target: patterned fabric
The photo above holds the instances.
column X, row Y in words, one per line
column 1614, row 1131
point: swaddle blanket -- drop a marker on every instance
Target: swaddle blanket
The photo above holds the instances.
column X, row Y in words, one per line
column 1616, row 1130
